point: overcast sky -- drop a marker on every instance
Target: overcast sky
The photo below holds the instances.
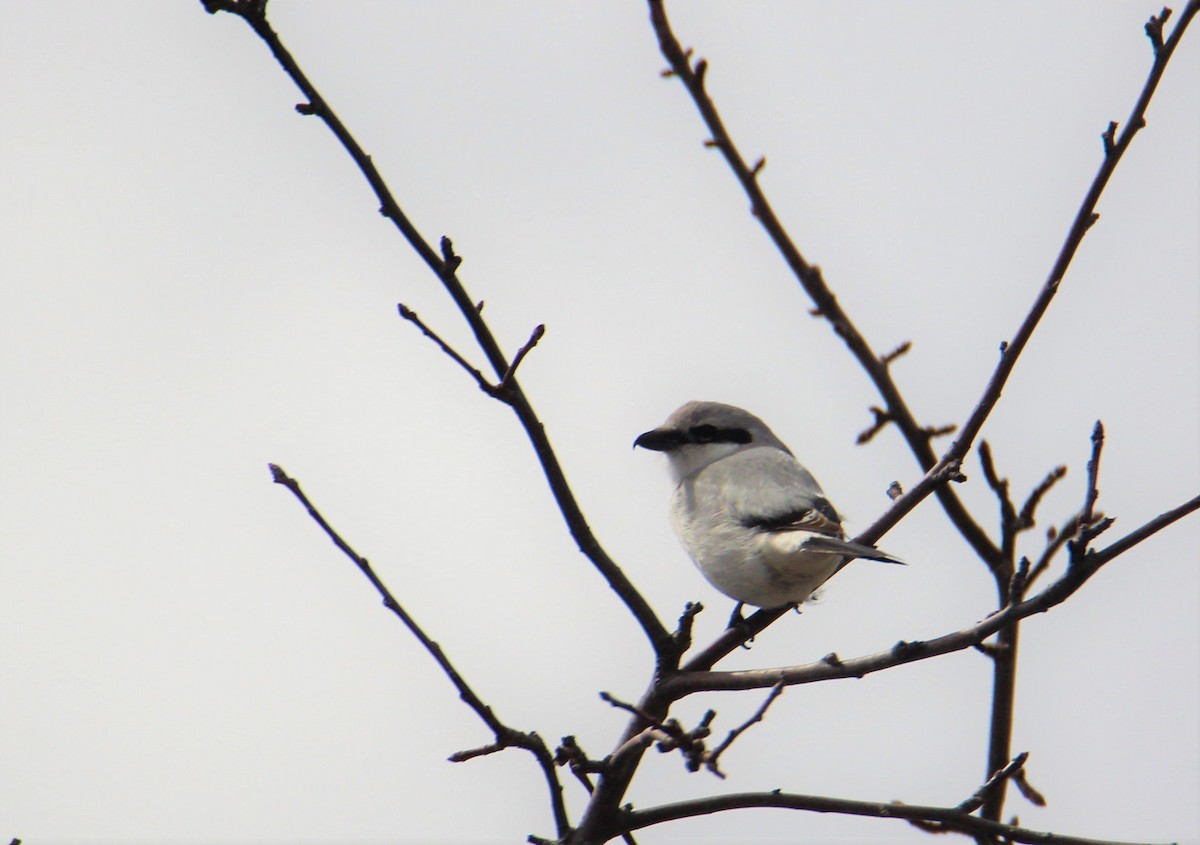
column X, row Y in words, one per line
column 196, row 281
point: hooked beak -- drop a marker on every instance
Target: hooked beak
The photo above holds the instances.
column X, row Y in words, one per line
column 660, row 439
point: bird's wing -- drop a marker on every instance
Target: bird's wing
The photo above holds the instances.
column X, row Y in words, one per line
column 768, row 489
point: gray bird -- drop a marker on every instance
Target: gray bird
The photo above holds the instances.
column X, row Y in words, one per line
column 752, row 518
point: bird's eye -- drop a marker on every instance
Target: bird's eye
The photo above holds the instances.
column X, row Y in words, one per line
column 711, row 434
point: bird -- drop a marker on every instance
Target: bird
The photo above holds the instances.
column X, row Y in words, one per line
column 753, row 519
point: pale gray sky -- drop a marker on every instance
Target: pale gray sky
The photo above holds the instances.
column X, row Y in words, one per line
column 196, row 282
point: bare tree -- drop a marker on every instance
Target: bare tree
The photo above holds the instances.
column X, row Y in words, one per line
column 1025, row 586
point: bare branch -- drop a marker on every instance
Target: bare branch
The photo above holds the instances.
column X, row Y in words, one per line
column 1021, row 781
column 946, row 818
column 1093, row 476
column 571, row 755
column 932, row 431
column 410, row 315
column 1097, row 559
column 828, row 307
column 445, row 265
column 1020, row 580
column 506, row 381
column 713, row 757
column 683, row 633
column 1154, row 28
column 668, row 733
column 506, row 737
column 1056, row 539
column 1029, row 509
column 1008, row 513
column 888, row 357
column 882, row 418
column 810, row 278
column 472, row 753
column 977, row 798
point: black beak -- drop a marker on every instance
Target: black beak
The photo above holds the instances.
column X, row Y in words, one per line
column 660, row 440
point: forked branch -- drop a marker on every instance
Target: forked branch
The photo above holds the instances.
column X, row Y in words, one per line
column 445, row 264
column 506, row 737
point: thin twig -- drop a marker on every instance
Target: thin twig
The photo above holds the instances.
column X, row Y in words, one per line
column 882, row 418
column 445, row 265
column 410, row 315
column 947, row 818
column 683, row 632
column 506, row 380
column 1093, row 475
column 1003, row 652
column 810, row 278
column 713, row 757
column 506, row 737
column 1008, row 512
column 827, row 305
column 1097, row 559
column 1029, row 509
column 975, row 801
column 669, row 734
column 1021, row 781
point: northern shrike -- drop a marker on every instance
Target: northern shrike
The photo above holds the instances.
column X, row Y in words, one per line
column 752, row 518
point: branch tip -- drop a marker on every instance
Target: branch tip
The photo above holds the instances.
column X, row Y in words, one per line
column 882, row 418
column 932, row 431
column 976, row 800
column 1154, row 29
column 1033, row 796
column 1110, row 138
column 900, row 350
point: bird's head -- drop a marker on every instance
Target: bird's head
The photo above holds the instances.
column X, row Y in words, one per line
column 699, row 433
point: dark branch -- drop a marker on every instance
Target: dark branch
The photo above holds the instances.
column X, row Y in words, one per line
column 1093, row 475
column 882, row 418
column 712, row 759
column 410, row 315
column 1098, row 559
column 976, row 800
column 810, row 278
column 1008, row 513
column 445, row 265
column 828, row 307
column 1029, row 509
column 683, row 633
column 946, row 818
column 667, row 733
column 506, row 737
column 506, row 380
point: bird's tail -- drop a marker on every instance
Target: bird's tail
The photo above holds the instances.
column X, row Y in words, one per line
column 833, row 545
